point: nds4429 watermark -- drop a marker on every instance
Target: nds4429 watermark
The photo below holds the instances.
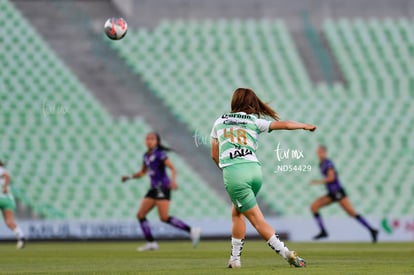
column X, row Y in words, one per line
column 290, row 154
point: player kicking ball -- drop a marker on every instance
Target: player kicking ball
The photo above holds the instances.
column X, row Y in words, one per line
column 8, row 205
column 234, row 143
column 336, row 193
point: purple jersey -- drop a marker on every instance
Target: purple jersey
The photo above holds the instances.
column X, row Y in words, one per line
column 154, row 162
column 335, row 185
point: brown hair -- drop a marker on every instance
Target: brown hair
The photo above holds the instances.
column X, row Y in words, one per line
column 246, row 100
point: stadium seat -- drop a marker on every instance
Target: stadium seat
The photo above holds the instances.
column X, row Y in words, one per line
column 65, row 152
column 202, row 64
column 365, row 123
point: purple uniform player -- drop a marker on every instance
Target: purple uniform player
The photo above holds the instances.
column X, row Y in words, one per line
column 156, row 169
column 335, row 190
column 155, row 164
column 336, row 193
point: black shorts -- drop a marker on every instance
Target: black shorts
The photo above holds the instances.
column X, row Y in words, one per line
column 338, row 195
column 159, row 193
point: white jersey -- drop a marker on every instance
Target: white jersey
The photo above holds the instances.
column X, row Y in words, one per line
column 238, row 135
column 3, row 182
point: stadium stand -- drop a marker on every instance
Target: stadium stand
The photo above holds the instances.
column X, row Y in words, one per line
column 194, row 66
column 375, row 56
column 64, row 151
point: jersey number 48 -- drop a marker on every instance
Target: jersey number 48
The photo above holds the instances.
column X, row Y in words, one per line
column 239, row 135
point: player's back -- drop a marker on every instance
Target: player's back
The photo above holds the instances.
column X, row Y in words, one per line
column 238, row 134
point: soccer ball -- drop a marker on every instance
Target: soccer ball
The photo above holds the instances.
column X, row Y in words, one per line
column 116, row 28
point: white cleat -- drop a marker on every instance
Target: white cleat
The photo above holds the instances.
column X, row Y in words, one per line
column 150, row 246
column 21, row 244
column 235, row 263
column 195, row 235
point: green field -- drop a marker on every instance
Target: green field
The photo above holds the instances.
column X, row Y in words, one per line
column 209, row 258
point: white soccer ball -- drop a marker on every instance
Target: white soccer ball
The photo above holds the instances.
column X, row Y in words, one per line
column 116, row 28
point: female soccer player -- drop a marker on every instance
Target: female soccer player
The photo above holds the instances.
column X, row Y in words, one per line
column 8, row 205
column 336, row 193
column 155, row 163
column 234, row 142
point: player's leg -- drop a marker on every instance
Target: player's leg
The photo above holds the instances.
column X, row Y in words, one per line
column 146, row 206
column 237, row 237
column 238, row 224
column 9, row 220
column 315, row 206
column 242, row 183
column 347, row 206
column 163, row 212
column 266, row 231
column 242, row 196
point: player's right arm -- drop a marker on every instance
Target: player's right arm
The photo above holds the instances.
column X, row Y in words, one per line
column 215, row 146
column 136, row 175
column 291, row 125
column 6, row 185
column 215, row 151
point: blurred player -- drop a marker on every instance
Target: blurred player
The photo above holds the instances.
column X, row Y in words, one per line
column 8, row 205
column 234, row 143
column 155, row 163
column 336, row 193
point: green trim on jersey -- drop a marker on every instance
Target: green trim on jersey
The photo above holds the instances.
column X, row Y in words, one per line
column 238, row 135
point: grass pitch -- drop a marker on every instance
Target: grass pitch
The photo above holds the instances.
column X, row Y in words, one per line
column 209, row 258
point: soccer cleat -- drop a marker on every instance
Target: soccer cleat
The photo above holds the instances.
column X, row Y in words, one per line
column 234, row 263
column 21, row 243
column 295, row 260
column 195, row 235
column 150, row 246
column 374, row 235
column 321, row 235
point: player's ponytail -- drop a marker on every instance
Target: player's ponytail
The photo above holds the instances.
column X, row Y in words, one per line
column 246, row 100
column 160, row 145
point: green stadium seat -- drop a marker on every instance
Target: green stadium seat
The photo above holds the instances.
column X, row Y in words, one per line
column 200, row 62
column 67, row 166
column 373, row 55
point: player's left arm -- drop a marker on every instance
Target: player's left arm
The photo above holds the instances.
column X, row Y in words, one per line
column 137, row 175
column 6, row 185
column 330, row 177
column 291, row 125
column 170, row 165
column 215, row 151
